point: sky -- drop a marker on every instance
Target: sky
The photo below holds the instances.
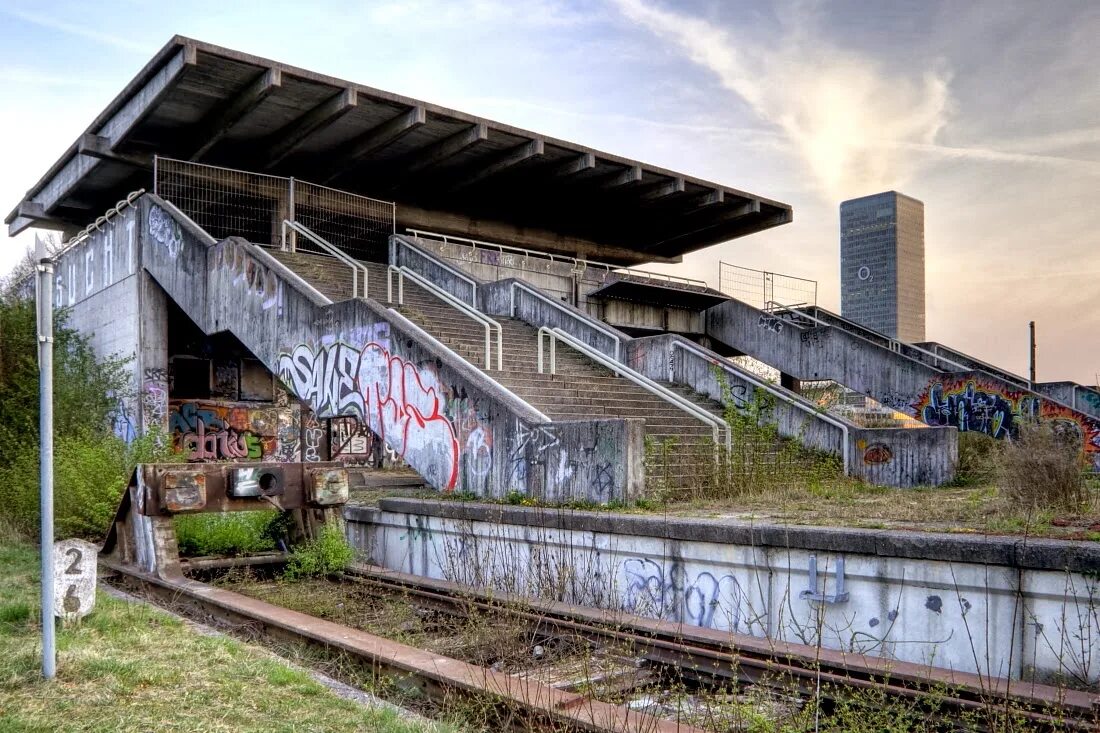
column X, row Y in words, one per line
column 988, row 112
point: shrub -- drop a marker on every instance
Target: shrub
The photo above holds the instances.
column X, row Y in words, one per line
column 1041, row 469
column 91, row 464
column 978, row 458
column 328, row 553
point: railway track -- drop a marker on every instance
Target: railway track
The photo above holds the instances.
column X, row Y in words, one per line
column 709, row 654
column 705, row 656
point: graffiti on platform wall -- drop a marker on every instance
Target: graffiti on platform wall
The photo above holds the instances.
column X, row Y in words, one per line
column 215, row 431
column 403, row 403
column 249, row 276
column 671, row 593
column 975, row 403
column 165, row 231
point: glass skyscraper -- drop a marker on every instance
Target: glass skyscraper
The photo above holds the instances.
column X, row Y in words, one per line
column 882, row 264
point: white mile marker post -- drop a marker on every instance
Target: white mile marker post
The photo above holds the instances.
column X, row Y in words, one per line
column 44, row 305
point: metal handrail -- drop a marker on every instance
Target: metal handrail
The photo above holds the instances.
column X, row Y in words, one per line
column 637, row 378
column 577, row 262
column 894, row 345
column 799, row 404
column 435, row 261
column 355, row 265
column 576, row 316
column 404, row 272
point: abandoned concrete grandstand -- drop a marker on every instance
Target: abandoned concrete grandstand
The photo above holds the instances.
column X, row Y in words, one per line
column 307, row 269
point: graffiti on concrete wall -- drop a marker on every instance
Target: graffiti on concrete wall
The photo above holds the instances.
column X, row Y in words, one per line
column 876, row 453
column 259, row 283
column 154, row 399
column 217, row 431
column 670, row 592
column 403, row 403
column 104, row 258
column 165, row 231
column 976, row 403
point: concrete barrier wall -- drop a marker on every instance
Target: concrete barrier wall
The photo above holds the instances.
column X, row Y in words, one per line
column 98, row 284
column 969, row 401
column 1008, row 607
column 498, row 299
column 899, row 457
column 453, row 424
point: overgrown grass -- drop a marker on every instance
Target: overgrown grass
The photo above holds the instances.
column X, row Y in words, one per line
column 131, row 668
column 228, row 533
column 326, row 554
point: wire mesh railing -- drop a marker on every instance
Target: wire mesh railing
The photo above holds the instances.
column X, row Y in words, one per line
column 229, row 202
column 760, row 287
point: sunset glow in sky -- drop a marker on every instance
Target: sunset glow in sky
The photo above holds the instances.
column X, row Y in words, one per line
column 989, row 112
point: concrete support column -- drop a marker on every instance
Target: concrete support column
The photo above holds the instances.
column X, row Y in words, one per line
column 153, row 354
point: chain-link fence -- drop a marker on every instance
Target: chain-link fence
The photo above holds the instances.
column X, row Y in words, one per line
column 760, row 288
column 227, row 202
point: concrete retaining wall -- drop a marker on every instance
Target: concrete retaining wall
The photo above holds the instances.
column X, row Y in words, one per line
column 969, row 401
column 458, row 428
column 899, row 457
column 1010, row 607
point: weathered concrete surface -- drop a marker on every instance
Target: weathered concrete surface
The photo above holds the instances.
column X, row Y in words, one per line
column 1011, row 607
column 500, row 297
column 900, row 457
column 967, row 400
column 562, row 280
column 1082, row 398
column 449, row 421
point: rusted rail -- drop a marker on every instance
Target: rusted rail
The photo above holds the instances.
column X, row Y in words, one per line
column 725, row 654
column 529, row 704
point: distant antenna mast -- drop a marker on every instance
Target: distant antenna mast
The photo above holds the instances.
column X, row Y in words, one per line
column 1031, row 328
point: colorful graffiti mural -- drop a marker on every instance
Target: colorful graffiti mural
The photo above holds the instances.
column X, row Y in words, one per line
column 405, row 404
column 215, row 431
column 973, row 402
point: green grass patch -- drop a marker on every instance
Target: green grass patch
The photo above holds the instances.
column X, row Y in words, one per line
column 130, row 668
column 228, row 533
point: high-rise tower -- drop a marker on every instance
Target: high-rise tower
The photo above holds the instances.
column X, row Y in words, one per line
column 882, row 264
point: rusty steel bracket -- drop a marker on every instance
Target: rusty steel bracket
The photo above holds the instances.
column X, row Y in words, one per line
column 143, row 532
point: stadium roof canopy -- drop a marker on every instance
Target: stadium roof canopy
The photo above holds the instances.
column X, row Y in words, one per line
column 448, row 171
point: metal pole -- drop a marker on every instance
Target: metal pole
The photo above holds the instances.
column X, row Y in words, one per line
column 45, row 429
column 1031, row 328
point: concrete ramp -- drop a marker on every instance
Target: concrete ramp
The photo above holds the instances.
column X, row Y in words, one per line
column 823, row 346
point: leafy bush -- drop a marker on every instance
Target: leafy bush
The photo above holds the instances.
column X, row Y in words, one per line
column 328, row 553
column 91, row 464
column 1042, row 469
column 231, row 533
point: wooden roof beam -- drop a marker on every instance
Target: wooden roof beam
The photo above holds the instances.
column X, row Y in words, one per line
column 219, row 121
column 521, row 153
column 286, row 140
column 374, row 139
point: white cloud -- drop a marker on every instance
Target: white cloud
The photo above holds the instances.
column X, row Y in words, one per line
column 835, row 106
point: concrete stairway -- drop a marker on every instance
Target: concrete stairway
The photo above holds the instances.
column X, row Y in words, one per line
column 581, row 389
